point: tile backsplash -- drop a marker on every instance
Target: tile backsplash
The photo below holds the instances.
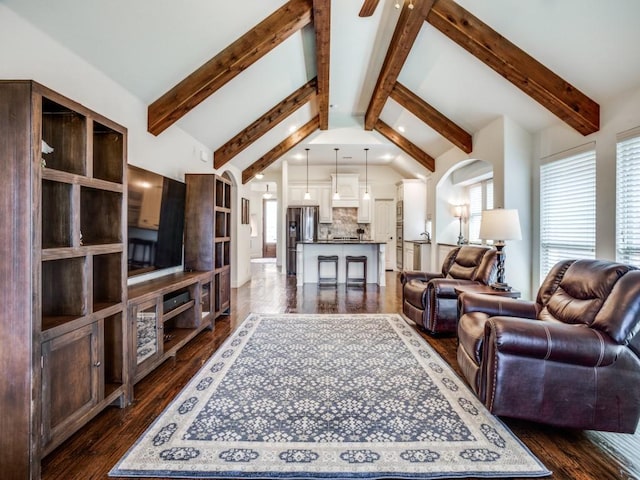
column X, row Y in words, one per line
column 345, row 224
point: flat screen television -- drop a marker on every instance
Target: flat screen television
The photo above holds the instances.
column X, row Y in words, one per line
column 155, row 221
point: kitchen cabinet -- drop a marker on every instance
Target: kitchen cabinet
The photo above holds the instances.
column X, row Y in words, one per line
column 296, row 195
column 364, row 206
column 407, row 260
column 417, row 256
column 326, row 209
column 443, row 251
column 411, row 214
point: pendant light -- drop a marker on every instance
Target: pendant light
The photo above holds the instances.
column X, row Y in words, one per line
column 307, row 195
column 267, row 195
column 366, row 175
column 336, row 195
column 410, row 6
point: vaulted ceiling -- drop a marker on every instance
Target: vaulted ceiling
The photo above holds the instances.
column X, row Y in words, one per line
column 260, row 80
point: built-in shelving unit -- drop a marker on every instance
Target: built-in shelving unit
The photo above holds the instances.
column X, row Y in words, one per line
column 64, row 228
column 208, row 233
column 164, row 314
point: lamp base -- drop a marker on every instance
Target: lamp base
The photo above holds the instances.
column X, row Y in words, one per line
column 503, row 287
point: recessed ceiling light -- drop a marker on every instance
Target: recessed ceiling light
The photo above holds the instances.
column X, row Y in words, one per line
column 292, row 128
column 401, row 129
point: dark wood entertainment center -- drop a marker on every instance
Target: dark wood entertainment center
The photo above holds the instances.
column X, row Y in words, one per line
column 72, row 330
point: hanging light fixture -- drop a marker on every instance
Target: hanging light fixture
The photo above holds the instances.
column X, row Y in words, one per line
column 336, row 195
column 307, row 195
column 410, row 6
column 267, row 195
column 366, row 175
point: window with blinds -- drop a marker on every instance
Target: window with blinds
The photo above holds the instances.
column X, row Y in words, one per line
column 628, row 197
column 480, row 198
column 568, row 207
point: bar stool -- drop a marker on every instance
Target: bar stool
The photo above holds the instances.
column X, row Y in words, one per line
column 356, row 280
column 328, row 280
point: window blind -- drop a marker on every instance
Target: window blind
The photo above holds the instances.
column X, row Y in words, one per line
column 480, row 198
column 628, row 199
column 488, row 203
column 475, row 211
column 567, row 209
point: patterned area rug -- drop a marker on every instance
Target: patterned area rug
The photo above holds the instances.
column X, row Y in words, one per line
column 327, row 396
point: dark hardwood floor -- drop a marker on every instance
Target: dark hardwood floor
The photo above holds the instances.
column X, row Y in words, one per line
column 92, row 452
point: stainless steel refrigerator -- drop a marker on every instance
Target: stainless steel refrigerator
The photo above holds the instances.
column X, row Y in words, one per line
column 302, row 226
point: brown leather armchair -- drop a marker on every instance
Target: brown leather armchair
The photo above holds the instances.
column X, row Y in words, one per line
column 429, row 299
column 571, row 358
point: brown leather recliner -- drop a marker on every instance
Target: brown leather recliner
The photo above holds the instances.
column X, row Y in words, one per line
column 570, row 359
column 429, row 299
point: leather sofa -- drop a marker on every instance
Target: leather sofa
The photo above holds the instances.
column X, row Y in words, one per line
column 570, row 359
column 429, row 299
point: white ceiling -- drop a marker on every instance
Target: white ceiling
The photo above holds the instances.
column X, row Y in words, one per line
column 149, row 45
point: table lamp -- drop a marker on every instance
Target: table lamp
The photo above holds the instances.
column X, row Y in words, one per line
column 500, row 225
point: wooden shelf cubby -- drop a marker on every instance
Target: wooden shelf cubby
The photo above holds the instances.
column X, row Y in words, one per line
column 208, row 233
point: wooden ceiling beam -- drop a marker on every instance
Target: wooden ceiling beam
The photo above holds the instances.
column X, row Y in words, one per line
column 525, row 72
column 411, row 149
column 322, row 25
column 404, row 35
column 368, row 8
column 279, row 150
column 265, row 123
column 432, row 117
column 231, row 61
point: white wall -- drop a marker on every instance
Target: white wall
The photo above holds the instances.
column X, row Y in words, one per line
column 516, row 193
column 35, row 56
column 506, row 146
column 616, row 115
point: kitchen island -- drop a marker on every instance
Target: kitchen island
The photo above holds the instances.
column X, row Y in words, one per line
column 307, row 259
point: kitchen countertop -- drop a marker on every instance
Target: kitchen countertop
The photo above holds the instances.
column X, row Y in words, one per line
column 422, row 242
column 343, row 242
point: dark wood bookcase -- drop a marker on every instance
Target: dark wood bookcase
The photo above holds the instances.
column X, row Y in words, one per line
column 208, row 233
column 63, row 273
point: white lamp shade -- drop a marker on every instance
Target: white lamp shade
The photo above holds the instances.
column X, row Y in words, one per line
column 500, row 224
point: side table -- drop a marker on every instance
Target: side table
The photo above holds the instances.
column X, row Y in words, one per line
column 485, row 290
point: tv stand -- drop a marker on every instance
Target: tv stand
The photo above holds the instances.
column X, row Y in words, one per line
column 164, row 314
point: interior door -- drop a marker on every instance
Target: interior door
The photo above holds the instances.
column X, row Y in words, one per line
column 270, row 227
column 385, row 221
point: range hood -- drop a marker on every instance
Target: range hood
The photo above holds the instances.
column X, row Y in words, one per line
column 346, row 184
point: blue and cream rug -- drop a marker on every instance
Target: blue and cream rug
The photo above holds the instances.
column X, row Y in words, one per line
column 327, row 396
